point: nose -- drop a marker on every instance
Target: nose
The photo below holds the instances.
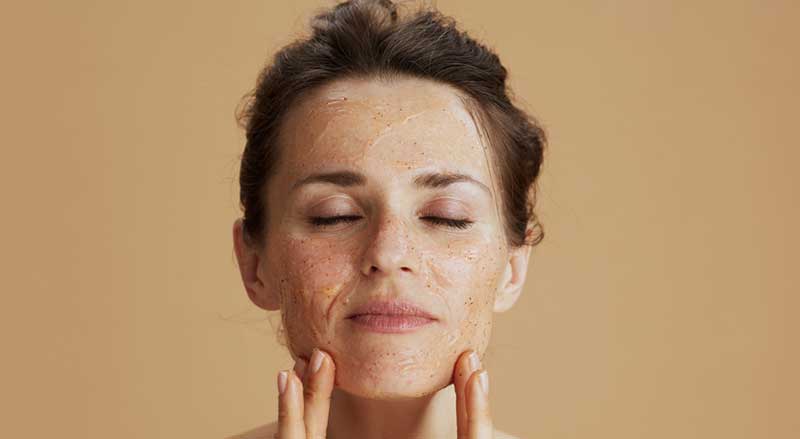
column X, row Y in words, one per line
column 390, row 249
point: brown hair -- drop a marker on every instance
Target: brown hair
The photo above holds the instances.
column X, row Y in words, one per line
column 367, row 38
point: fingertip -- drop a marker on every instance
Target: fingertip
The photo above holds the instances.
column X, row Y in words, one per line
column 297, row 381
column 290, row 407
column 296, row 391
column 460, row 370
column 483, row 378
column 468, row 363
column 284, row 400
column 327, row 373
column 317, row 395
column 329, row 358
column 478, row 394
column 461, row 382
column 325, row 365
column 282, row 381
column 287, row 384
column 474, row 361
column 328, row 362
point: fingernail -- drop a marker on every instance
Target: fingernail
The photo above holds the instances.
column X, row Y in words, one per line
column 484, row 379
column 316, row 360
column 300, row 367
column 282, row 377
column 474, row 362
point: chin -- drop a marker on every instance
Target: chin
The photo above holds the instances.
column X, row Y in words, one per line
column 391, row 390
column 389, row 383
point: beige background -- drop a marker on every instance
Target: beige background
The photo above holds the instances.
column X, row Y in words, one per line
column 662, row 304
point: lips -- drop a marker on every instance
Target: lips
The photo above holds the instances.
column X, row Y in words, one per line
column 391, row 317
column 391, row 308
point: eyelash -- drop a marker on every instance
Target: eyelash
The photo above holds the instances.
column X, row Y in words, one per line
column 331, row 220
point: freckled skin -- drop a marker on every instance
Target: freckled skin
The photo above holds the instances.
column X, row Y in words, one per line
column 389, row 133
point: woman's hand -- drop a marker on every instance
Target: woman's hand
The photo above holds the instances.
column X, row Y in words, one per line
column 304, row 403
column 305, row 396
column 472, row 398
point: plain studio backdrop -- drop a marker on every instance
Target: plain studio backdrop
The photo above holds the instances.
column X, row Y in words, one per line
column 663, row 302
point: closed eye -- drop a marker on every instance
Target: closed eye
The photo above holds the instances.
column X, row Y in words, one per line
column 322, row 221
column 455, row 223
column 331, row 220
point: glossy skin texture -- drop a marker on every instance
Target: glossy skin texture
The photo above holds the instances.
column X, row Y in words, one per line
column 392, row 242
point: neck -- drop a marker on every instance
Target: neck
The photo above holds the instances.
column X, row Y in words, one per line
column 413, row 418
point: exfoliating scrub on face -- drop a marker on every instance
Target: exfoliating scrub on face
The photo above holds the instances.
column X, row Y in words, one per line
column 385, row 243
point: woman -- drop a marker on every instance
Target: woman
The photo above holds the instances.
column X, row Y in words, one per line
column 388, row 187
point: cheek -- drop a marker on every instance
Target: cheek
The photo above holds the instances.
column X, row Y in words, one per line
column 466, row 277
column 313, row 272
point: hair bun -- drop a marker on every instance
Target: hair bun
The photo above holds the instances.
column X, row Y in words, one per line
column 391, row 7
column 343, row 10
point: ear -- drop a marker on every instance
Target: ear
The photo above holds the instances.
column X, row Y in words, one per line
column 250, row 267
column 513, row 278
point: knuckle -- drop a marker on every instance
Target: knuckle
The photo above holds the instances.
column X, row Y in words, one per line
column 284, row 414
column 308, row 393
column 313, row 395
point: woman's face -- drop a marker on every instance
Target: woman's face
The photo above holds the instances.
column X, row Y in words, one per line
column 391, row 242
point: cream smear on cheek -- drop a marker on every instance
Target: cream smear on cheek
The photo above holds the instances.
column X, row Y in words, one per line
column 385, row 132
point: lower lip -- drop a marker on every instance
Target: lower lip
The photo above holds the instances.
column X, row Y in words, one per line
column 390, row 324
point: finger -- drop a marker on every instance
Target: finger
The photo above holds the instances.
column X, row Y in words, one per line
column 466, row 364
column 480, row 420
column 318, row 385
column 290, row 406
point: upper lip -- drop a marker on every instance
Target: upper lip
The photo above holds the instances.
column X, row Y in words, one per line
column 391, row 307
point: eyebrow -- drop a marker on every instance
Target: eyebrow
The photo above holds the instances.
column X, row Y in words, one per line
column 431, row 180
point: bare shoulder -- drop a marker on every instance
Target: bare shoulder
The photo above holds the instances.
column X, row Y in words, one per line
column 266, row 431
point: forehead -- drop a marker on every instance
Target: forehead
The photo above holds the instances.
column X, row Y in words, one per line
column 403, row 124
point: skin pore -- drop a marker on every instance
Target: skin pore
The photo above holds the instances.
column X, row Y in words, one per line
column 384, row 190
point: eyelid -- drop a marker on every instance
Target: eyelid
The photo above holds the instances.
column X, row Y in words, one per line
column 328, row 206
column 456, row 200
column 331, row 221
column 330, row 198
column 462, row 207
